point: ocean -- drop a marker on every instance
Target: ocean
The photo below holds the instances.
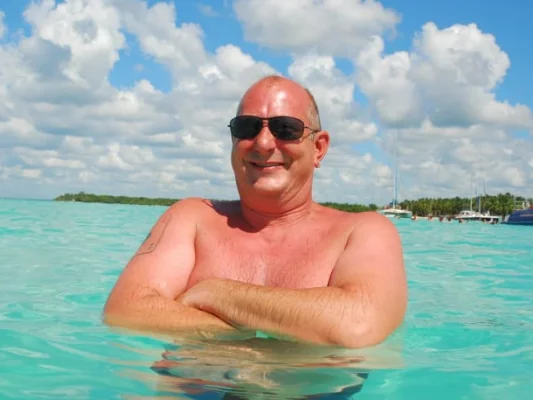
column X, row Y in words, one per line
column 468, row 332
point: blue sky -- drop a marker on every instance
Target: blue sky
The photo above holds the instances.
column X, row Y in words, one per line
column 439, row 107
column 510, row 25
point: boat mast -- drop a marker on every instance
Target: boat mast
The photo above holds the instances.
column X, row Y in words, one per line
column 471, row 186
column 395, row 190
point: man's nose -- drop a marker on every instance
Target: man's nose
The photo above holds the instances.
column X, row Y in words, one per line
column 265, row 140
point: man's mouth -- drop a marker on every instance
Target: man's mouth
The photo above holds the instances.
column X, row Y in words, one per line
column 266, row 166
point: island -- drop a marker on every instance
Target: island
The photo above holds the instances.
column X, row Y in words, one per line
column 501, row 204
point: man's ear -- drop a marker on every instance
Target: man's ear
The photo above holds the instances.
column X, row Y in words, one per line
column 321, row 143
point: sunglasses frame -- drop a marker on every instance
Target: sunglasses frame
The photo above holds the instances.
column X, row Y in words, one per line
column 269, row 119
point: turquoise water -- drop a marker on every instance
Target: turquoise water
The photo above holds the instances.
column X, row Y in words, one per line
column 468, row 333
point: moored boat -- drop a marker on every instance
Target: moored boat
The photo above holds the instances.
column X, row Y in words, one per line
column 395, row 212
column 471, row 215
column 521, row 217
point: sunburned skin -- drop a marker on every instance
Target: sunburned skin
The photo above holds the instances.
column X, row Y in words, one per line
column 223, row 237
column 273, row 261
column 154, row 236
column 268, row 257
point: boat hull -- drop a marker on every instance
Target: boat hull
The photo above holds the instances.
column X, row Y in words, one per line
column 521, row 217
column 470, row 215
column 397, row 213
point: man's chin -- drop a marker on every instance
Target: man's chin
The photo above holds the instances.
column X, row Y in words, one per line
column 266, row 188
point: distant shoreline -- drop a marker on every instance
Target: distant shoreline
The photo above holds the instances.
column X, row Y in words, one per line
column 83, row 197
column 500, row 204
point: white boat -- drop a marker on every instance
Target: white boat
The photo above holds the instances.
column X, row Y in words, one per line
column 468, row 215
column 472, row 214
column 394, row 210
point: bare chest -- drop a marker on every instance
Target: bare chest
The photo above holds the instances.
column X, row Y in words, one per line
column 301, row 262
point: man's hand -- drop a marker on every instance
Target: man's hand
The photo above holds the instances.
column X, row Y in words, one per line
column 363, row 304
column 143, row 297
column 287, row 314
column 201, row 295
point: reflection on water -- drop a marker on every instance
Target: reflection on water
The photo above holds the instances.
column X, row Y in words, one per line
column 260, row 368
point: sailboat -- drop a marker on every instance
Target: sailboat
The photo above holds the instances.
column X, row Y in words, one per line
column 393, row 210
column 472, row 214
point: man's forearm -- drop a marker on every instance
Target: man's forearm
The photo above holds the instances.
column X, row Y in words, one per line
column 155, row 313
column 321, row 315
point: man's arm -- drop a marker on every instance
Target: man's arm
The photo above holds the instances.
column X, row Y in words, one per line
column 144, row 296
column 364, row 303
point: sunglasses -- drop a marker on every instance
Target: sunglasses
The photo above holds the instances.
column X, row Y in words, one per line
column 282, row 127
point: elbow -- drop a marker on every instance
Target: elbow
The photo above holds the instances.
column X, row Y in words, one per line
column 117, row 312
column 131, row 312
column 358, row 336
column 112, row 313
column 122, row 316
column 371, row 328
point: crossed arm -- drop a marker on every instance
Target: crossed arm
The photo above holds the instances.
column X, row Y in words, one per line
column 144, row 296
column 364, row 302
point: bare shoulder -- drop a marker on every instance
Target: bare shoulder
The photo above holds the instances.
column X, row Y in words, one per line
column 189, row 208
column 373, row 261
column 191, row 204
column 373, row 221
column 177, row 217
column 372, row 232
column 373, row 245
column 367, row 223
column 164, row 260
column 372, row 266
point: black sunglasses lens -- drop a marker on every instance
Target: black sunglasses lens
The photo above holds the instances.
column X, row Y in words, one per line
column 283, row 128
column 286, row 128
column 245, row 127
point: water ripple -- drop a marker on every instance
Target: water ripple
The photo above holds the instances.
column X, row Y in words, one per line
column 467, row 334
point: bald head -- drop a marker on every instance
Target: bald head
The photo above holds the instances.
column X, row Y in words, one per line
column 273, row 81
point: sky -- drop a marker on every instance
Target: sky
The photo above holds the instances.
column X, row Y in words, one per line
column 131, row 97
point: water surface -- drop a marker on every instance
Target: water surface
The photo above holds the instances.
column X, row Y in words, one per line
column 468, row 333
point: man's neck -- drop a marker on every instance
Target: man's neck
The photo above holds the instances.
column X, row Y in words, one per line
column 266, row 214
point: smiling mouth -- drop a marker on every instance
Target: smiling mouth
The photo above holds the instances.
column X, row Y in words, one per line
column 266, row 166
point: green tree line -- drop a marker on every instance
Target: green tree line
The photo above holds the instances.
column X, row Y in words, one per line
column 83, row 197
column 500, row 204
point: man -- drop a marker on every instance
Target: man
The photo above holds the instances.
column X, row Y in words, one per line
column 274, row 261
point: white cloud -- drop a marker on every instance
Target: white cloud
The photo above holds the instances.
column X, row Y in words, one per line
column 353, row 177
column 19, row 172
column 449, row 79
column 438, row 161
column 333, row 92
column 179, row 48
column 85, row 34
column 62, row 123
column 328, row 27
column 439, row 112
column 3, row 28
column 207, row 10
column 47, row 158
